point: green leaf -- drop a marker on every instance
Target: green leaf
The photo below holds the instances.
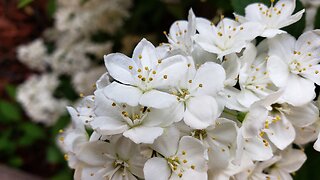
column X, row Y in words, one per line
column 31, row 133
column 11, row 91
column 9, row 111
column 64, row 174
column 241, row 116
column 24, row 3
column 240, row 5
column 54, row 155
column 16, row 161
column 317, row 23
column 7, row 146
column 61, row 123
column 51, row 7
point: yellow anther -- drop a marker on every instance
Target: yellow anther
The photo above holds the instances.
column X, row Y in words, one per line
column 193, row 167
column 159, row 61
column 184, row 161
column 154, row 72
column 81, row 95
column 146, row 68
column 130, row 67
column 190, row 81
column 316, row 72
column 180, row 175
column 241, row 28
column 189, row 65
column 61, row 131
column 139, row 70
column 143, row 79
column 140, row 56
column 61, row 138
column 200, row 85
column 184, row 153
column 165, row 76
column 150, row 79
column 139, row 76
column 66, row 157
column 219, row 33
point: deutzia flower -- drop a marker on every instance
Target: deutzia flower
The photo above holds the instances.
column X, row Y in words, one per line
column 316, row 145
column 115, row 160
column 144, row 76
column 272, row 18
column 254, row 80
column 227, row 37
column 179, row 159
column 140, row 124
column 293, row 65
column 196, row 94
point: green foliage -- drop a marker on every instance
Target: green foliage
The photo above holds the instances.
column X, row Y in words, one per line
column 9, row 111
column 51, row 7
column 24, row 3
column 30, row 134
column 240, row 5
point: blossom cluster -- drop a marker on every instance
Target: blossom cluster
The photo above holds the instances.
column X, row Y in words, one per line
column 215, row 102
column 74, row 53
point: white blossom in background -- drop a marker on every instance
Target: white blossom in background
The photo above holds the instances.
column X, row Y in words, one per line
column 33, row 55
column 85, row 17
column 210, row 103
column 84, row 81
column 67, row 49
column 311, row 12
column 36, row 97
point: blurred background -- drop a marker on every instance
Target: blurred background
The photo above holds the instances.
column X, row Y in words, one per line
column 51, row 54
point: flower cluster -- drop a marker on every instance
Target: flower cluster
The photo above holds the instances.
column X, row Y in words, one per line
column 212, row 103
column 73, row 54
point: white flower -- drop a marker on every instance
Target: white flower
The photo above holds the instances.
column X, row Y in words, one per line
column 272, row 18
column 291, row 160
column 317, row 144
column 84, row 81
column 118, row 159
column 293, row 65
column 84, row 110
column 227, row 37
column 196, row 94
column 33, row 55
column 36, row 97
column 180, row 159
column 140, row 124
column 180, row 34
column 144, row 76
column 254, row 80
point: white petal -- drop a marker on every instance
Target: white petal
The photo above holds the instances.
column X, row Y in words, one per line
column 144, row 54
column 281, row 133
column 270, row 33
column 123, row 93
column 316, row 145
column 282, row 46
column 109, row 126
column 170, row 71
column 92, row 153
column 246, row 98
column 303, row 116
column 143, row 134
column 278, row 71
column 201, row 112
column 292, row 160
column 156, row 169
column 257, row 149
column 167, row 144
column 253, row 12
column 292, row 19
column 193, row 151
column 118, row 67
column 298, row 91
column 211, row 77
column 157, row 99
column 254, row 121
column 219, row 155
column 232, row 67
